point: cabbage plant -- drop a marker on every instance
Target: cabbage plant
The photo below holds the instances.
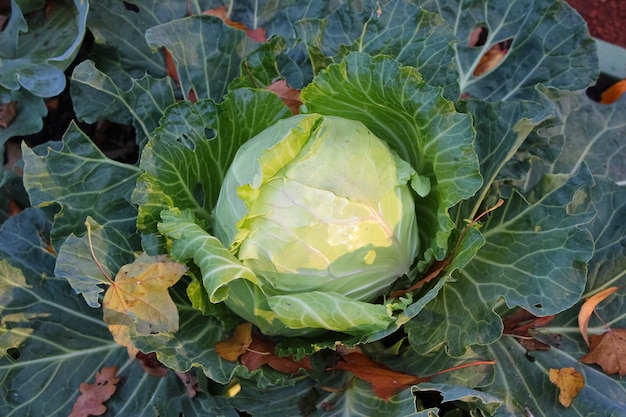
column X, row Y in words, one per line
column 379, row 208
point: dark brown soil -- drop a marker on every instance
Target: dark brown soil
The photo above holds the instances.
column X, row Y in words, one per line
column 606, row 19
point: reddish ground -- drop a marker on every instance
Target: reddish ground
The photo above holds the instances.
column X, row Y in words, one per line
column 606, row 19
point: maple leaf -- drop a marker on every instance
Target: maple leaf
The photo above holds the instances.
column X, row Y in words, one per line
column 91, row 400
column 609, row 351
column 289, row 96
column 385, row 382
column 588, row 308
column 521, row 324
column 232, row 348
column 569, row 381
column 263, row 352
column 139, row 297
column 613, row 93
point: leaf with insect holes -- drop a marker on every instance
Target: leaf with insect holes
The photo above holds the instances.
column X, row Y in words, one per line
column 609, row 351
column 92, row 396
column 588, row 307
column 569, row 381
column 138, row 297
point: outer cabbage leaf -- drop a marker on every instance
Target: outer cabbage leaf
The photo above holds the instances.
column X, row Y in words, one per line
column 535, row 257
column 52, row 341
column 38, row 66
column 550, row 46
column 422, row 127
column 76, row 175
column 401, row 29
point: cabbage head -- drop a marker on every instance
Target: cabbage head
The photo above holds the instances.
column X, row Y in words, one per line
column 318, row 204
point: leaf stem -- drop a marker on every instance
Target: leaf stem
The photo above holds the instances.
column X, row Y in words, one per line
column 93, row 255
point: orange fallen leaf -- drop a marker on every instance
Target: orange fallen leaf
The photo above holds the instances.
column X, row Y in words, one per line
column 91, row 400
column 258, row 35
column 385, row 382
column 569, row 381
column 263, row 352
column 289, row 96
column 7, row 113
column 613, row 93
column 230, row 349
column 609, row 351
column 139, row 297
column 587, row 309
column 170, row 66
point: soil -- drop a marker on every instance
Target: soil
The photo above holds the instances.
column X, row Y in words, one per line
column 605, row 18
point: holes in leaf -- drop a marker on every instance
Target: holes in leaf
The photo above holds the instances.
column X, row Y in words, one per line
column 538, row 305
column 494, row 55
column 14, row 354
column 131, row 6
column 187, row 141
column 209, row 133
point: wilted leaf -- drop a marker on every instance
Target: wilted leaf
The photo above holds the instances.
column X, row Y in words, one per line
column 588, row 307
column 613, row 93
column 289, row 96
column 569, row 381
column 609, row 351
column 521, row 324
column 190, row 381
column 92, row 396
column 151, row 364
column 263, row 352
column 232, row 348
column 385, row 382
column 139, row 297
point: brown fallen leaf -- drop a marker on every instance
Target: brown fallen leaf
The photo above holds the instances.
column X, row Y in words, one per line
column 139, row 297
column 151, row 364
column 609, row 351
column 7, row 113
column 289, row 96
column 613, row 93
column 586, row 310
column 569, row 381
column 190, row 381
column 521, row 324
column 263, row 352
column 230, row 349
column 91, row 400
column 385, row 382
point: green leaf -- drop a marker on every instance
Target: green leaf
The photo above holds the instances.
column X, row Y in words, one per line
column 29, row 109
column 97, row 96
column 38, row 66
column 550, row 46
column 427, row 131
column 535, row 257
column 467, row 397
column 197, row 43
column 75, row 175
column 534, row 393
column 332, row 311
column 400, row 29
column 75, row 263
column 185, row 161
